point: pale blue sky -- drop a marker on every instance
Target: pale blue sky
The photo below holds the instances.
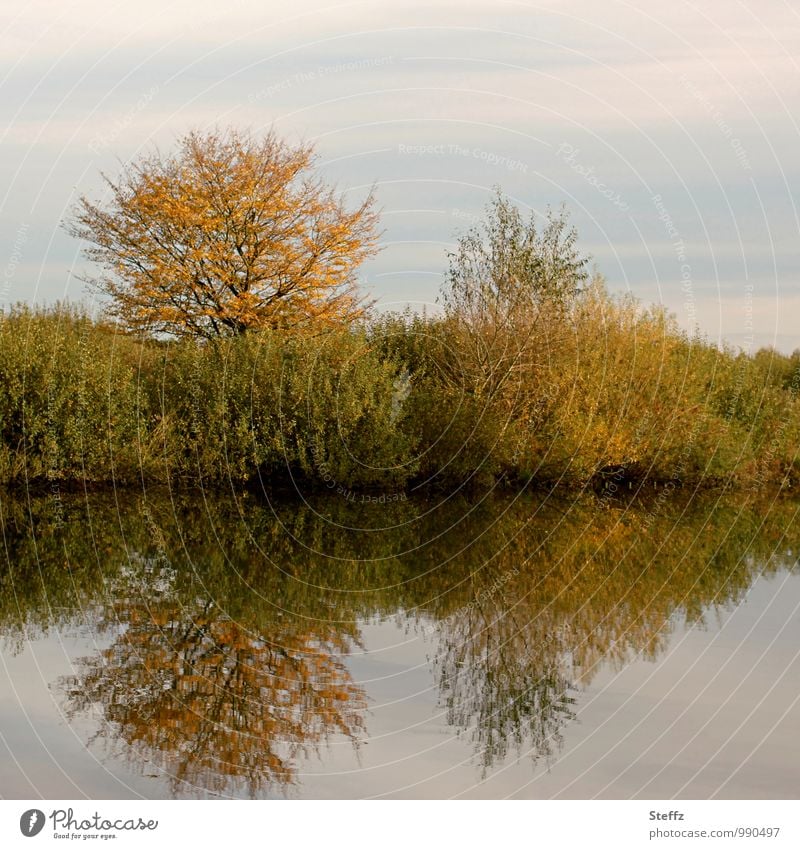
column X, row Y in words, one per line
column 603, row 106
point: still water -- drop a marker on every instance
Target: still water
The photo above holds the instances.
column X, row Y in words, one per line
column 196, row 646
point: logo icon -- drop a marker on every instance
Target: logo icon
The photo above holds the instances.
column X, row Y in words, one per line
column 31, row 822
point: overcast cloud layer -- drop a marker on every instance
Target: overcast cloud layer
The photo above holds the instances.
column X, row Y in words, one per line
column 669, row 130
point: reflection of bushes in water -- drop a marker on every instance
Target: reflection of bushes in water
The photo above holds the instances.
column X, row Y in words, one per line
column 61, row 559
column 603, row 587
column 236, row 616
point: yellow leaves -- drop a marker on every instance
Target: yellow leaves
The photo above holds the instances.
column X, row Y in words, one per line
column 216, row 699
column 226, row 235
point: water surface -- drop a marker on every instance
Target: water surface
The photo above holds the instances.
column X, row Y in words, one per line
column 197, row 646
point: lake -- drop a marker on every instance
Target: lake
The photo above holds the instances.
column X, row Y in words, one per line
column 167, row 645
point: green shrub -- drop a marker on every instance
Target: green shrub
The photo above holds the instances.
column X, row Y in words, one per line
column 68, row 397
column 602, row 385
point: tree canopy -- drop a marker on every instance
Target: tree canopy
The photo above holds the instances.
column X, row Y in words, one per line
column 231, row 232
column 509, row 286
column 508, row 266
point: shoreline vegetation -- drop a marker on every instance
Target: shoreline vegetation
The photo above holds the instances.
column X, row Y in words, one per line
column 610, row 395
column 236, row 349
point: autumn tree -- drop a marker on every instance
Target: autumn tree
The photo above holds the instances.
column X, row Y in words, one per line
column 508, row 285
column 507, row 297
column 509, row 267
column 230, row 233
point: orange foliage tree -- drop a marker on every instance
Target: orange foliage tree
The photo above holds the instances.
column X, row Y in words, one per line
column 232, row 232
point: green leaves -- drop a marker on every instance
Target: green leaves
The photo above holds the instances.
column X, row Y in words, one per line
column 509, row 266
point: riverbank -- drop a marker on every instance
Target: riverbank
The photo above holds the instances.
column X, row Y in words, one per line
column 607, row 395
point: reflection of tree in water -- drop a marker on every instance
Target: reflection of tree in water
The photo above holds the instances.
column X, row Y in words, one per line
column 214, row 705
column 547, row 609
column 229, row 696
column 502, row 688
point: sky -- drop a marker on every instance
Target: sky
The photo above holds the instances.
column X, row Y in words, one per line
column 668, row 130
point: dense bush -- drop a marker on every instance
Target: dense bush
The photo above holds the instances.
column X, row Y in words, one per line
column 79, row 401
column 68, row 397
column 609, row 386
